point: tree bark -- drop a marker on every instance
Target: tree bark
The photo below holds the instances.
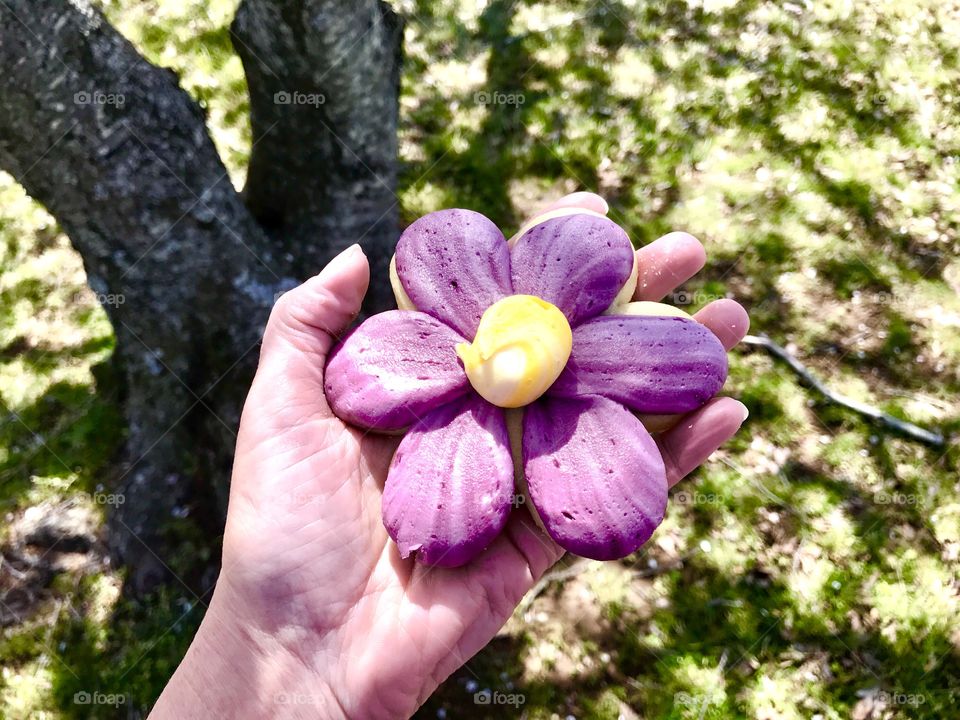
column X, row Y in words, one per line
column 120, row 155
column 324, row 78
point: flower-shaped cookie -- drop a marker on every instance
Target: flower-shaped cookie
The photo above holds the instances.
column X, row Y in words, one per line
column 518, row 368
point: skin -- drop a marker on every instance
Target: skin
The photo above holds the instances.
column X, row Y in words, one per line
column 314, row 613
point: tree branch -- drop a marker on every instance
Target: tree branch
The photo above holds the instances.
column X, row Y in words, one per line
column 912, row 431
column 120, row 155
column 324, row 79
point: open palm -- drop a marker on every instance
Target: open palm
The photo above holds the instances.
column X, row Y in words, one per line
column 308, row 569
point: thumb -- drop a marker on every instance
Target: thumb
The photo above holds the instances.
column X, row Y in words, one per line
column 312, row 317
column 276, row 428
column 304, row 325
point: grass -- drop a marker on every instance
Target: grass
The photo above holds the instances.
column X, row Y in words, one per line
column 809, row 570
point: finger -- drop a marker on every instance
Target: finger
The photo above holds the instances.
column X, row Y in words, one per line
column 729, row 322
column 303, row 327
column 314, row 315
column 527, row 546
column 658, row 423
column 584, row 200
column 277, row 428
column 726, row 319
column 690, row 443
column 568, row 205
column 486, row 592
column 666, row 263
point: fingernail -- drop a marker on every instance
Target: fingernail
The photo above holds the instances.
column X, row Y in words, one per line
column 344, row 256
column 678, row 238
column 746, row 413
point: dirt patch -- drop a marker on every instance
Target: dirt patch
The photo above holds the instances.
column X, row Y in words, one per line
column 44, row 541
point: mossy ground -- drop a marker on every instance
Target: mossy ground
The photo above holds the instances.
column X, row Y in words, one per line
column 809, row 569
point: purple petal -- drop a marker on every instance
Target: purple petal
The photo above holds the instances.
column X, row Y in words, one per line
column 650, row 364
column 393, row 369
column 450, row 485
column 593, row 474
column 454, row 264
column 577, row 262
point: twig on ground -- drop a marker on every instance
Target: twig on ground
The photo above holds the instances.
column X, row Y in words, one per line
column 660, row 569
column 912, row 431
column 558, row 575
column 582, row 564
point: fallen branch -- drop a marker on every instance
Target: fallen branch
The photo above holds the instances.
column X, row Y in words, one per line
column 912, row 431
column 582, row 564
column 558, row 575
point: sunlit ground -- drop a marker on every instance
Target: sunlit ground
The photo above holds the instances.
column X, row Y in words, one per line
column 808, row 570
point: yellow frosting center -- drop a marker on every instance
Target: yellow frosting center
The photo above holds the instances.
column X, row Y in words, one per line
column 521, row 347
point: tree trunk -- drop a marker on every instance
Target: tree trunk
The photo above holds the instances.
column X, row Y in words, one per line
column 120, row 155
column 324, row 79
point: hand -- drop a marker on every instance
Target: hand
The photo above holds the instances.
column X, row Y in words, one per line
column 314, row 606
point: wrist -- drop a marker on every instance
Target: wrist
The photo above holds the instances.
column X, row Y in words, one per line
column 234, row 670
